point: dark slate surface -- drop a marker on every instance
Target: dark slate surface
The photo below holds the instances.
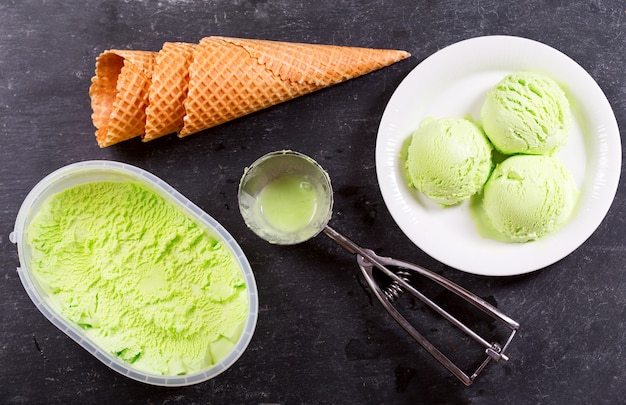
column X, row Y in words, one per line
column 320, row 338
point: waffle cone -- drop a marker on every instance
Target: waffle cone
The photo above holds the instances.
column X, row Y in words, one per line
column 119, row 95
column 187, row 88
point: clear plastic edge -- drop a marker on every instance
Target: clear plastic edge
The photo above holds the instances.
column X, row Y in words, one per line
column 73, row 331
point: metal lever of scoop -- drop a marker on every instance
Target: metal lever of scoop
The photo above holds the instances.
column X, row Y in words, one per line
column 367, row 260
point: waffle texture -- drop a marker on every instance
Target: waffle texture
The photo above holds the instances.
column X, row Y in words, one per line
column 168, row 91
column 187, row 88
column 119, row 95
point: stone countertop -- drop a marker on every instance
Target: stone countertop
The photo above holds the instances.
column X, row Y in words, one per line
column 320, row 337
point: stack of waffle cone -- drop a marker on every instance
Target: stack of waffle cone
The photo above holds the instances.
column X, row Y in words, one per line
column 186, row 88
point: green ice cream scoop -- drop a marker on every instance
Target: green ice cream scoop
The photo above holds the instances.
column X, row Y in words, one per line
column 529, row 196
column 526, row 113
column 448, row 159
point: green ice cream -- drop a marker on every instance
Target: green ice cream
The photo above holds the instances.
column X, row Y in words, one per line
column 529, row 196
column 526, row 113
column 448, row 159
column 142, row 279
column 288, row 204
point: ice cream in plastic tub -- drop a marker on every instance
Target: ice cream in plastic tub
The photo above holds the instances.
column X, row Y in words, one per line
column 175, row 281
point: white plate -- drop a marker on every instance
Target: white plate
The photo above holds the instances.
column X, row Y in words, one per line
column 453, row 83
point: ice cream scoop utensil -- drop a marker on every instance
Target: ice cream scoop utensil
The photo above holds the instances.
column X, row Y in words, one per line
column 368, row 260
column 269, row 191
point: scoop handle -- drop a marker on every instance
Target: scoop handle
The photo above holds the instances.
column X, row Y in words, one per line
column 342, row 240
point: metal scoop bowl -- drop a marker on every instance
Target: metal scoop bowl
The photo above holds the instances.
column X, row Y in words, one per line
column 286, row 198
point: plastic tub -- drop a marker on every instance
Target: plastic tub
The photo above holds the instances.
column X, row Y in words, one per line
column 93, row 171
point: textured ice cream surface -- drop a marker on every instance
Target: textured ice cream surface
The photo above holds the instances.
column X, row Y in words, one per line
column 143, row 280
column 529, row 196
column 526, row 113
column 448, row 159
